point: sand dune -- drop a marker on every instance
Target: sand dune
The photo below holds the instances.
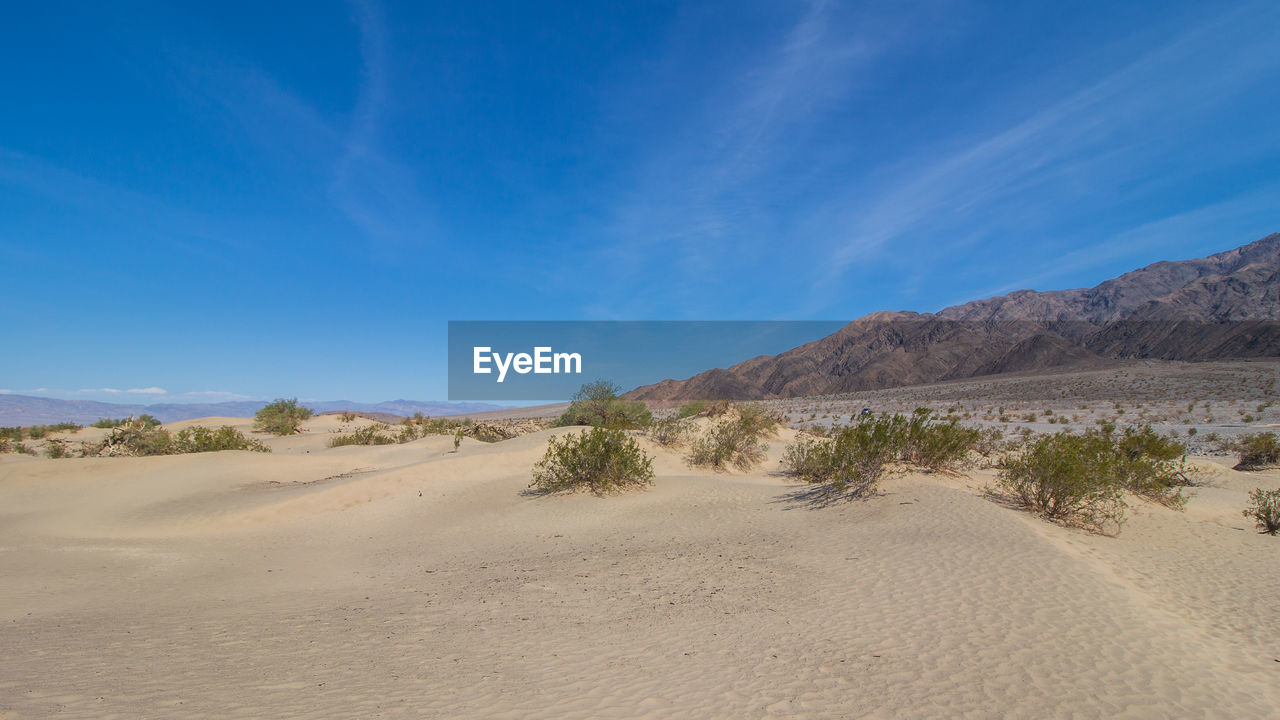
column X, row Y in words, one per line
column 412, row 581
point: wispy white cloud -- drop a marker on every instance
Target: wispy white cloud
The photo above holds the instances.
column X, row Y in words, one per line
column 377, row 193
column 341, row 155
column 1245, row 217
column 134, row 395
column 707, row 191
column 1095, row 137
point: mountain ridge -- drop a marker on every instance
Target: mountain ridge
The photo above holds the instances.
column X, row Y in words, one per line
column 1226, row 305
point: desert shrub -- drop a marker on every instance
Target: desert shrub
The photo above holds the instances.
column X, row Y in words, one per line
column 716, row 408
column 989, row 441
column 368, row 435
column 137, row 438
column 756, row 418
column 425, row 426
column 36, row 432
column 852, row 460
column 599, row 459
column 1264, row 508
column 736, row 438
column 56, row 449
column 692, row 408
column 281, row 417
column 202, row 439
column 145, row 419
column 1257, row 450
column 134, row 438
column 597, row 404
column 13, row 434
column 935, row 445
column 490, row 433
column 670, row 431
column 1152, row 465
column 347, row 417
column 1068, row 478
column 858, row 454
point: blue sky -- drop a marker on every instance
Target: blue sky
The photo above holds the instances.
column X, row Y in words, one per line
column 259, row 199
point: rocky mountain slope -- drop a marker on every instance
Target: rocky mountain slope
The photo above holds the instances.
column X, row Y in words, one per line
column 1224, row 306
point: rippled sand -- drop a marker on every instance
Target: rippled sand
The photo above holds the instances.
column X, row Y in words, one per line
column 410, row 581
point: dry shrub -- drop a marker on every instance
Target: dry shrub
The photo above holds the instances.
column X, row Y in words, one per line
column 599, row 459
column 736, row 438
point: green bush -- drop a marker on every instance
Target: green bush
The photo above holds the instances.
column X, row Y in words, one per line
column 424, row 426
column 692, row 408
column 990, row 441
column 1152, row 465
column 368, row 435
column 281, row 417
column 670, row 431
column 1068, row 478
column 134, row 438
column 145, row 419
column 1257, row 450
column 56, row 449
column 138, row 438
column 198, row 438
column 852, row 460
column 737, row 438
column 598, row 459
column 347, row 417
column 936, row 445
column 597, row 405
column 1264, row 508
column 35, row 432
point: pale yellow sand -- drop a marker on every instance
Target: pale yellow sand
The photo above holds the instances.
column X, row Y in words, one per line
column 410, row 581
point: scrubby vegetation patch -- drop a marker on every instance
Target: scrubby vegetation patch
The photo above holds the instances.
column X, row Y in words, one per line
column 735, row 438
column 1082, row 478
column 1257, row 450
column 1264, row 508
column 598, row 404
column 851, row 459
column 281, row 417
column 137, row 438
column 600, row 460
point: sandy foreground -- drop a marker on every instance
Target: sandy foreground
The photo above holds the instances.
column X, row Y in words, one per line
column 412, row 581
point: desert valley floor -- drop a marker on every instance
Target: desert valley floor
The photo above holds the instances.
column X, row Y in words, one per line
column 413, row 581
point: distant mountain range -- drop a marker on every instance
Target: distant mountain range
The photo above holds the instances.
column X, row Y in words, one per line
column 1224, row 306
column 29, row 410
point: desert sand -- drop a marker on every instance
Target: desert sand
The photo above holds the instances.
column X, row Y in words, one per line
column 412, row 581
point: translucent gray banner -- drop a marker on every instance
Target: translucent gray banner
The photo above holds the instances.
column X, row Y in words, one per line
column 550, row 360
